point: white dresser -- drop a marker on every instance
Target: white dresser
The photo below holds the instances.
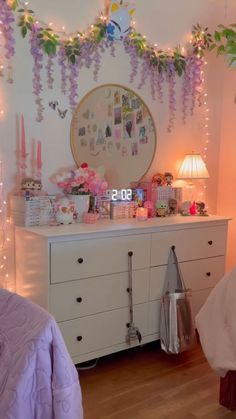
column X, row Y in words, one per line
column 79, row 273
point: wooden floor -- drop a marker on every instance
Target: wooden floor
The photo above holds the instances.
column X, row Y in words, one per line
column 145, row 383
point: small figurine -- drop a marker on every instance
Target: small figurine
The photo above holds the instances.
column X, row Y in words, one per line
column 38, row 188
column 172, row 205
column 27, row 184
column 168, row 178
column 65, row 211
column 185, row 208
column 37, row 185
column 27, row 187
column 201, row 209
column 150, row 207
column 159, row 179
column 161, row 207
column 193, row 209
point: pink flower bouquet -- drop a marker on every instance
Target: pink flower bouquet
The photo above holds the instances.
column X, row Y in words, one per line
column 80, row 181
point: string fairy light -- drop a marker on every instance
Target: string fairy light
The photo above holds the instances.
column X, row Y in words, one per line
column 1, row 51
column 205, row 128
column 4, row 237
column 56, row 29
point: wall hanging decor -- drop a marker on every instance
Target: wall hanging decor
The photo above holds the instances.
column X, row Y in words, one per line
column 84, row 49
column 114, row 122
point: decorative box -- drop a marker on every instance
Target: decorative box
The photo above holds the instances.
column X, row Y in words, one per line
column 101, row 205
column 90, row 217
column 164, row 193
column 146, row 186
column 32, row 211
column 122, row 209
column 139, row 196
column 156, row 193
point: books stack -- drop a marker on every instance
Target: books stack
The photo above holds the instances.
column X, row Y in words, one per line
column 32, row 211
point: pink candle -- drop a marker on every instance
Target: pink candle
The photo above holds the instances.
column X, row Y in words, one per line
column 39, row 157
column 23, row 148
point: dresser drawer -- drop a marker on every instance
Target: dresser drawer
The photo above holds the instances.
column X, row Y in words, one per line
column 197, row 275
column 189, row 244
column 102, row 330
column 154, row 317
column 97, row 294
column 86, row 258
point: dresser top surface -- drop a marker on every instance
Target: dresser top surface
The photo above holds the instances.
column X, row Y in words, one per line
column 126, row 226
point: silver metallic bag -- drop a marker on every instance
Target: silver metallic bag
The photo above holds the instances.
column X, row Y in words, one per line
column 177, row 331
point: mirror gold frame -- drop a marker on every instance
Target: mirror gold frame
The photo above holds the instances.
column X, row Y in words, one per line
column 113, row 127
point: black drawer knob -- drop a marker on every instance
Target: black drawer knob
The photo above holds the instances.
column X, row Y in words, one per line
column 128, row 290
column 79, row 338
column 79, row 300
column 208, row 273
column 127, row 325
column 210, row 242
column 80, row 260
column 130, row 253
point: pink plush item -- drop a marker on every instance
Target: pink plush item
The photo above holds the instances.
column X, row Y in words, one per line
column 217, row 327
column 90, row 218
column 37, row 376
column 150, row 207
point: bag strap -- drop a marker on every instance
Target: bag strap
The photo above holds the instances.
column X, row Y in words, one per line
column 180, row 276
column 173, row 279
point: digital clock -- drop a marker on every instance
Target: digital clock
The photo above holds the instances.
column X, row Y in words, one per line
column 119, row 194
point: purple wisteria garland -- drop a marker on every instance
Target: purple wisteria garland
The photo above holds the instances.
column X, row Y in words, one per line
column 37, row 55
column 7, row 19
column 62, row 61
column 85, row 50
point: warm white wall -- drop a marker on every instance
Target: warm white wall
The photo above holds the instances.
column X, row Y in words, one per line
column 226, row 203
column 166, row 23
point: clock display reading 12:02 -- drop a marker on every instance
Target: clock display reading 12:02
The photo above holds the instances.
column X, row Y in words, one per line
column 121, row 194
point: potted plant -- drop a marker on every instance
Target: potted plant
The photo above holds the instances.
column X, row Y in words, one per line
column 80, row 183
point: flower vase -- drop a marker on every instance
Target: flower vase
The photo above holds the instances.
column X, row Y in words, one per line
column 81, row 203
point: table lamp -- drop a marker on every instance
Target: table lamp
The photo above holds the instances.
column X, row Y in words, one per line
column 192, row 167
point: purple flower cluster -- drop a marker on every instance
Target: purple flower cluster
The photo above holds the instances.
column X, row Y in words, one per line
column 186, row 88
column 37, row 54
column 145, row 71
column 192, row 80
column 170, row 77
column 196, row 82
column 73, row 84
column 7, row 19
column 63, row 67
column 134, row 61
column 97, row 64
column 49, row 68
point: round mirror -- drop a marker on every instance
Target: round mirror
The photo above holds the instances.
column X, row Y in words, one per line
column 113, row 127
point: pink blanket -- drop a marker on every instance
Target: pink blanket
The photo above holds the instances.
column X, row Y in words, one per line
column 216, row 324
column 37, row 377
